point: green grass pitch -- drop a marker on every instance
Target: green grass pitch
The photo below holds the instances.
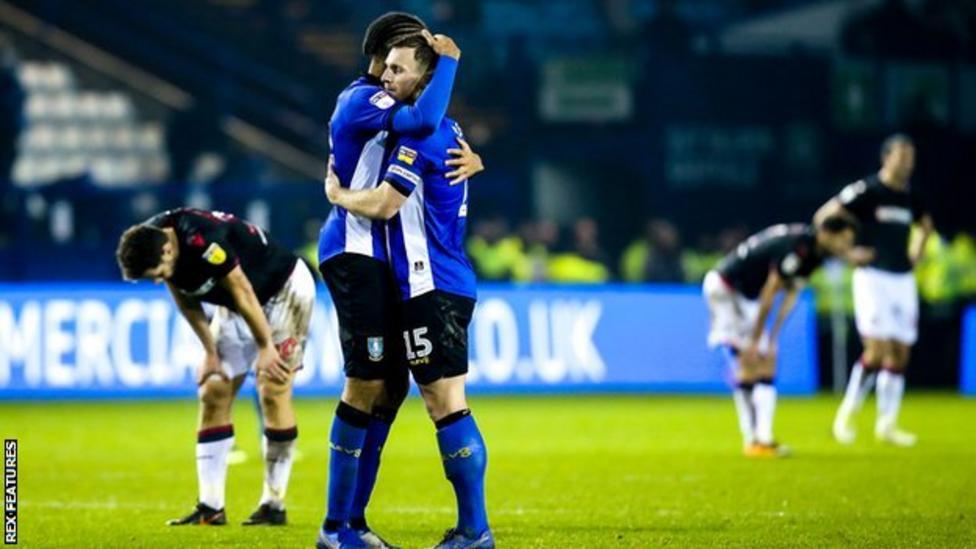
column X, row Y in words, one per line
column 591, row 471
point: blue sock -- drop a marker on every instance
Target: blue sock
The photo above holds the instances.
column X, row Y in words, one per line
column 345, row 449
column 465, row 459
column 369, row 466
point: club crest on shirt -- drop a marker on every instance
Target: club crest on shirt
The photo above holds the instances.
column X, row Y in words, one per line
column 374, row 345
column 214, row 254
column 382, row 100
column 406, row 155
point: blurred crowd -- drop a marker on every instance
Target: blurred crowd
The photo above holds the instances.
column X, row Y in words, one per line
column 542, row 251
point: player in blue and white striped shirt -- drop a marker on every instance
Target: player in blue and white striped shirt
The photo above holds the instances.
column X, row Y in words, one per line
column 353, row 262
column 427, row 220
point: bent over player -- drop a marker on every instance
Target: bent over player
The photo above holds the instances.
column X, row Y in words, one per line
column 427, row 219
column 885, row 293
column 264, row 296
column 740, row 292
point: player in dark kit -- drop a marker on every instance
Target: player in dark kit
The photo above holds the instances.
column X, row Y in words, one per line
column 885, row 294
column 354, row 263
column 740, row 292
column 427, row 221
column 264, row 297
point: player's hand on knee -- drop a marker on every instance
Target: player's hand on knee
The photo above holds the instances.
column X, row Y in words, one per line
column 750, row 355
column 271, row 364
column 768, row 360
column 210, row 367
column 442, row 44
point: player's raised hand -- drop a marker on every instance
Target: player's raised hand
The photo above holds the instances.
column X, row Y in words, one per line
column 466, row 161
column 442, row 44
column 271, row 364
column 210, row 367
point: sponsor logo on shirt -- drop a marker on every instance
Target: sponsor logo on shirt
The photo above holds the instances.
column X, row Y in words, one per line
column 893, row 214
column 407, row 155
column 215, row 255
column 404, row 173
column 382, row 100
column 791, row 263
column 203, row 289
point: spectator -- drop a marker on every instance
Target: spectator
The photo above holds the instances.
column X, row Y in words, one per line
column 586, row 263
column 494, row 252
column 656, row 257
column 540, row 237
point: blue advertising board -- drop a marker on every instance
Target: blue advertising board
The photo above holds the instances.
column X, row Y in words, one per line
column 123, row 340
column 967, row 360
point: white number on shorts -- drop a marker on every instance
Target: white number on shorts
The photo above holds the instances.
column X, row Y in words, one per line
column 419, row 346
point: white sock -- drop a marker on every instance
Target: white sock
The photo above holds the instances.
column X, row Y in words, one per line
column 277, row 446
column 742, row 396
column 764, row 401
column 891, row 387
column 858, row 388
column 212, row 463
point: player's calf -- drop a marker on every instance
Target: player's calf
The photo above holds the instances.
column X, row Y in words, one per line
column 278, row 448
column 465, row 459
column 444, row 397
column 891, row 389
column 859, row 385
column 276, row 403
column 216, row 394
column 362, row 394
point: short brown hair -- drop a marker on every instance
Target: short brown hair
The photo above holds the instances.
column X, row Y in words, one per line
column 422, row 52
column 895, row 140
column 140, row 249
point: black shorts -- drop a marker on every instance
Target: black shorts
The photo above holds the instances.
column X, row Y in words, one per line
column 366, row 303
column 435, row 335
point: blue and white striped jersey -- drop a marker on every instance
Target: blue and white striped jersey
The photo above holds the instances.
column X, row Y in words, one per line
column 426, row 237
column 364, row 116
column 357, row 139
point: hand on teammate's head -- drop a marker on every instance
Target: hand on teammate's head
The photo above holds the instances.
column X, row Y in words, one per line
column 442, row 45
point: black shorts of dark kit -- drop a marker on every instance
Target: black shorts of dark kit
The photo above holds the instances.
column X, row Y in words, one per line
column 442, row 319
column 366, row 304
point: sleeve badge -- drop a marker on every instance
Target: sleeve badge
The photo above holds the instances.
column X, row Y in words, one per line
column 215, row 255
column 382, row 100
column 406, row 155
